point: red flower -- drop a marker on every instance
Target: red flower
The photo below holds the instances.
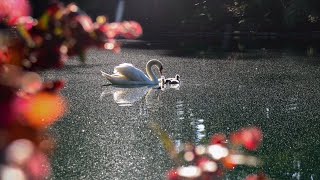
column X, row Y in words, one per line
column 173, row 175
column 250, row 138
column 4, row 57
column 219, row 139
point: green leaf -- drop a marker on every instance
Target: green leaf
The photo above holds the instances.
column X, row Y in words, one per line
column 25, row 35
column 44, row 21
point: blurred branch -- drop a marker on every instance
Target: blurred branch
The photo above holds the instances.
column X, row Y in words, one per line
column 167, row 142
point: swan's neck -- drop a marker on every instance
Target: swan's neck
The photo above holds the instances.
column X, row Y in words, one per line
column 150, row 71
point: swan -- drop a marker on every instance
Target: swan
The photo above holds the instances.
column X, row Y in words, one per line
column 128, row 74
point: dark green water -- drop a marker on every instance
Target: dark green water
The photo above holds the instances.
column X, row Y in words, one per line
column 106, row 133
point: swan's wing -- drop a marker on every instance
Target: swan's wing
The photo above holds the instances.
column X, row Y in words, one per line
column 123, row 65
column 130, row 72
column 115, row 78
column 121, row 80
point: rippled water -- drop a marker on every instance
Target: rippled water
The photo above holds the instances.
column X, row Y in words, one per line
column 107, row 135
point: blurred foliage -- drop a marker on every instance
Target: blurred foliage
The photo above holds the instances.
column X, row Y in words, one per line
column 28, row 105
column 214, row 15
column 275, row 15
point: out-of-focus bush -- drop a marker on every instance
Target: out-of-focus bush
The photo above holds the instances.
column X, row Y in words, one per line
column 212, row 161
column 28, row 105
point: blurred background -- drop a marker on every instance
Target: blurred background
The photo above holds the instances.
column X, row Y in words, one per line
column 224, row 24
column 157, row 16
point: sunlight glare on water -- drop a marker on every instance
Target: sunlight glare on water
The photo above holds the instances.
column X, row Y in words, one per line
column 277, row 93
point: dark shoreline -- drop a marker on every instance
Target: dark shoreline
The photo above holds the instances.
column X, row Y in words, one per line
column 235, row 41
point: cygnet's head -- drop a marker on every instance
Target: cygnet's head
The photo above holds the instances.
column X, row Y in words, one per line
column 178, row 77
column 163, row 79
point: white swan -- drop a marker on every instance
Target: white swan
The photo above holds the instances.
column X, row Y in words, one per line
column 127, row 74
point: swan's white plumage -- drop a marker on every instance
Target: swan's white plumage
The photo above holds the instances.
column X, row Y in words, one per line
column 128, row 74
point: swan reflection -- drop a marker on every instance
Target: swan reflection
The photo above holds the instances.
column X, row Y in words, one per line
column 127, row 95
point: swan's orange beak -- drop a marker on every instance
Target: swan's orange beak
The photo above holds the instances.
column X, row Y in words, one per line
column 161, row 68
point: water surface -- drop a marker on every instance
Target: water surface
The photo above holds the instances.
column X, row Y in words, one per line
column 107, row 135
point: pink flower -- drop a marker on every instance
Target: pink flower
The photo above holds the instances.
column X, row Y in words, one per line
column 38, row 166
column 127, row 29
column 14, row 9
column 131, row 29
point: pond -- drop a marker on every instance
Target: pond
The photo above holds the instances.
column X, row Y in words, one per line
column 107, row 134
